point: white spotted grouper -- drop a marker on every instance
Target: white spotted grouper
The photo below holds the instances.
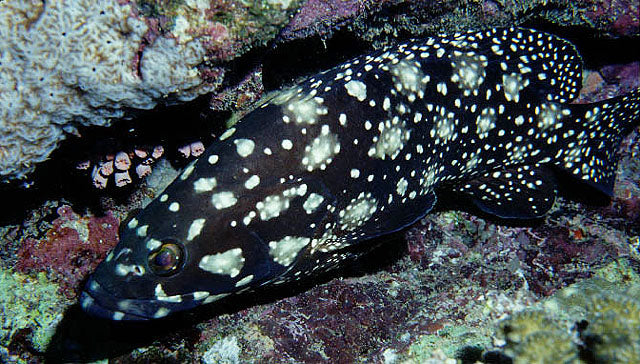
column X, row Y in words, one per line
column 357, row 152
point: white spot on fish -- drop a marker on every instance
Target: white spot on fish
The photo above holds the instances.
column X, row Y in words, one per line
column 356, row 89
column 342, row 119
column 305, row 110
column 222, row 200
column 485, row 122
column 228, row 263
column 229, row 132
column 204, row 184
column 161, row 312
column 392, row 138
column 287, row 144
column 244, row 147
column 313, row 201
column 285, row 250
column 272, row 206
column 142, row 231
column 244, row 280
column 195, row 228
column 358, row 212
column 407, row 78
column 321, row 151
column 187, row 171
column 252, row 182
column 513, row 84
column 548, row 116
column 401, row 186
column 153, row 244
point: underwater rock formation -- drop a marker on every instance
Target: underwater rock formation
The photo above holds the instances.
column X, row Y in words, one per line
column 75, row 63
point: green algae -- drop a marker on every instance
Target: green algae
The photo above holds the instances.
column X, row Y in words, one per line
column 29, row 304
column 158, row 8
column 230, row 28
column 595, row 320
column 449, row 340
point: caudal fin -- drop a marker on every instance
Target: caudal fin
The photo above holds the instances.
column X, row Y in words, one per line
column 598, row 130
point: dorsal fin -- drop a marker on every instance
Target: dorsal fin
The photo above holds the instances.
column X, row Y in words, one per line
column 550, row 66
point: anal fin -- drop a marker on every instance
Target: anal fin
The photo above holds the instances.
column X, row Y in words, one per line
column 519, row 192
column 399, row 213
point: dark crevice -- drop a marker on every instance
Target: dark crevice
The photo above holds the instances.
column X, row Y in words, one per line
column 597, row 49
column 56, row 178
column 289, row 62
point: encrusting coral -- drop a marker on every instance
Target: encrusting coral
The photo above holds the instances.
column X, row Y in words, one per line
column 67, row 63
column 608, row 332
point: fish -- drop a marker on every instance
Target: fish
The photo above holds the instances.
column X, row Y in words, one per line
column 322, row 167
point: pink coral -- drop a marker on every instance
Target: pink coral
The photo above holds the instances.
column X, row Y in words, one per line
column 70, row 249
column 619, row 16
column 316, row 13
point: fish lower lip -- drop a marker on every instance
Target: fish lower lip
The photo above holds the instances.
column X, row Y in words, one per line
column 92, row 301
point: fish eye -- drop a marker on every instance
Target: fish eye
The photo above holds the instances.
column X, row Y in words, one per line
column 167, row 259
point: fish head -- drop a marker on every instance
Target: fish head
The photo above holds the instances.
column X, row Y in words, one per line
column 227, row 224
column 150, row 276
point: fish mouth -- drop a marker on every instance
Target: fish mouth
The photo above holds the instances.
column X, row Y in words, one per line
column 99, row 302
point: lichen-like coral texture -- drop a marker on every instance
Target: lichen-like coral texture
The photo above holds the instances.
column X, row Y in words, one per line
column 70, row 249
column 30, row 308
column 593, row 321
column 80, row 62
column 621, row 16
column 69, row 63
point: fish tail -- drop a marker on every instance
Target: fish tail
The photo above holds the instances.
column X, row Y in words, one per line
column 590, row 153
column 627, row 111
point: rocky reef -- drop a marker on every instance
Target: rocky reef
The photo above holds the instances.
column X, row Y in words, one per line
column 455, row 287
column 73, row 63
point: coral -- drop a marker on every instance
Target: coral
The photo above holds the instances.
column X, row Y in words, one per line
column 223, row 351
column 194, row 149
column 242, row 96
column 73, row 63
column 229, row 28
column 532, row 337
column 621, row 16
column 609, row 81
column 71, row 248
column 80, row 62
column 544, row 347
column 318, row 16
column 31, row 305
column 445, row 343
column 436, row 356
column 522, row 324
column 597, row 320
column 613, row 331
